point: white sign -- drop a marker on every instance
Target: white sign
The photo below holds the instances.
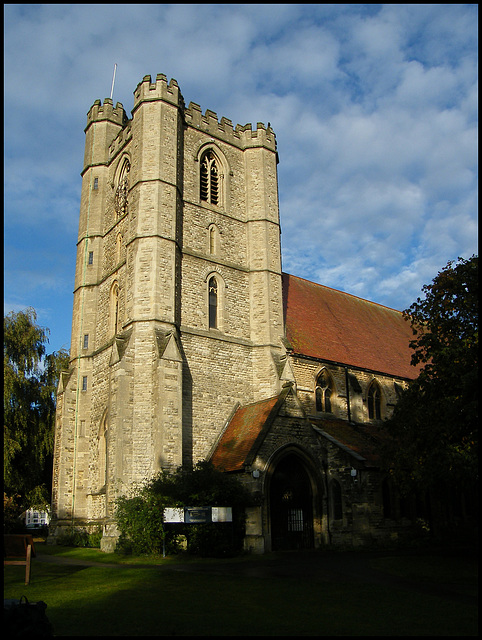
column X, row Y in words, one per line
column 193, row 514
column 222, row 514
column 174, row 514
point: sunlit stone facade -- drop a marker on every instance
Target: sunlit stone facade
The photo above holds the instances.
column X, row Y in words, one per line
column 179, row 321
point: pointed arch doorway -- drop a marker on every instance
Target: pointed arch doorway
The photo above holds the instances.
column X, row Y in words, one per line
column 291, row 506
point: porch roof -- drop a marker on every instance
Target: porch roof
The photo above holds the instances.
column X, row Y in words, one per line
column 246, row 429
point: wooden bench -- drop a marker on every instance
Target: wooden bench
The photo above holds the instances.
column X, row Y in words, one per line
column 16, row 546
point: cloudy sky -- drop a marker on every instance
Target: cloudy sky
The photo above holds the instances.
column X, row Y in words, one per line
column 374, row 109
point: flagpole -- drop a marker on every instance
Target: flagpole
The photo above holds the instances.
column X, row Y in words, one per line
column 113, row 80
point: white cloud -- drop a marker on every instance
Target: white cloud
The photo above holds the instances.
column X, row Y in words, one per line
column 374, row 108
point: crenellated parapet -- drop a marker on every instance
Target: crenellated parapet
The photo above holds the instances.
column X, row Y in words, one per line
column 243, row 136
column 158, row 90
column 101, row 112
column 104, row 122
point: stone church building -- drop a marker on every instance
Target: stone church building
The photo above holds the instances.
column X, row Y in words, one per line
column 190, row 343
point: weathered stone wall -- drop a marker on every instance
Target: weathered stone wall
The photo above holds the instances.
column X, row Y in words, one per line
column 354, row 401
column 142, row 275
column 151, row 384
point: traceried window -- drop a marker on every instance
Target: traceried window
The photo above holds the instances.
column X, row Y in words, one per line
column 209, row 179
column 324, row 392
column 374, row 398
column 213, row 303
column 121, row 194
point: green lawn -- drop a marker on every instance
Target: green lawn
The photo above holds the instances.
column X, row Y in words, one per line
column 138, row 600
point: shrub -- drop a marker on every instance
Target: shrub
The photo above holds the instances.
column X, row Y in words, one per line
column 140, row 517
column 75, row 537
column 140, row 521
column 12, row 512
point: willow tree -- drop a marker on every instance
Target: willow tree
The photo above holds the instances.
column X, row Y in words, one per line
column 30, row 383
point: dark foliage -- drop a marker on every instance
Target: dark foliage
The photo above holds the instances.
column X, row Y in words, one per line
column 433, row 445
column 140, row 516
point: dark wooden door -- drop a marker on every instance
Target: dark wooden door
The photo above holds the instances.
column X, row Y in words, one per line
column 291, row 506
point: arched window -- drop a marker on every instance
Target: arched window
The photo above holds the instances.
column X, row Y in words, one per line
column 323, row 392
column 213, row 303
column 121, row 194
column 336, row 501
column 213, row 239
column 374, row 398
column 209, row 179
column 114, row 308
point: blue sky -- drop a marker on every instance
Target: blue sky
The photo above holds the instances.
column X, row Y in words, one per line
column 374, row 108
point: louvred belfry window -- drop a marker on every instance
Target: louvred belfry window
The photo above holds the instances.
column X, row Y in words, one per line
column 209, row 185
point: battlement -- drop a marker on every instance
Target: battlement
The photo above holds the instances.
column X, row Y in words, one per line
column 106, row 111
column 158, row 90
column 243, row 136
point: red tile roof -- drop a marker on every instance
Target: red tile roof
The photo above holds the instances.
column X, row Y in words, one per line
column 336, row 326
column 239, row 437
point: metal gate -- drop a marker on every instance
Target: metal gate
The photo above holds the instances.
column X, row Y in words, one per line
column 291, row 506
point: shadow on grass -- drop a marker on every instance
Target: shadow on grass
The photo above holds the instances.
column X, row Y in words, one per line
column 172, row 600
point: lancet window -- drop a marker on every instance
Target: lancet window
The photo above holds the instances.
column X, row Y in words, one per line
column 213, row 238
column 213, row 303
column 374, row 399
column 114, row 308
column 324, row 392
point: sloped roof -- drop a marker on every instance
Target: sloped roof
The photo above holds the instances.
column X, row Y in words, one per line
column 332, row 325
column 245, row 427
column 250, row 424
column 361, row 441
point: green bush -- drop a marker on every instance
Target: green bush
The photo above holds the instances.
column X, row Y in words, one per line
column 140, row 521
column 140, row 516
column 75, row 537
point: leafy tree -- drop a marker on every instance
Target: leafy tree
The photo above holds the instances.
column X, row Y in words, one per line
column 30, row 383
column 433, row 433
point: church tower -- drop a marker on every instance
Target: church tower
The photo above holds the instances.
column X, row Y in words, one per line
column 178, row 313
